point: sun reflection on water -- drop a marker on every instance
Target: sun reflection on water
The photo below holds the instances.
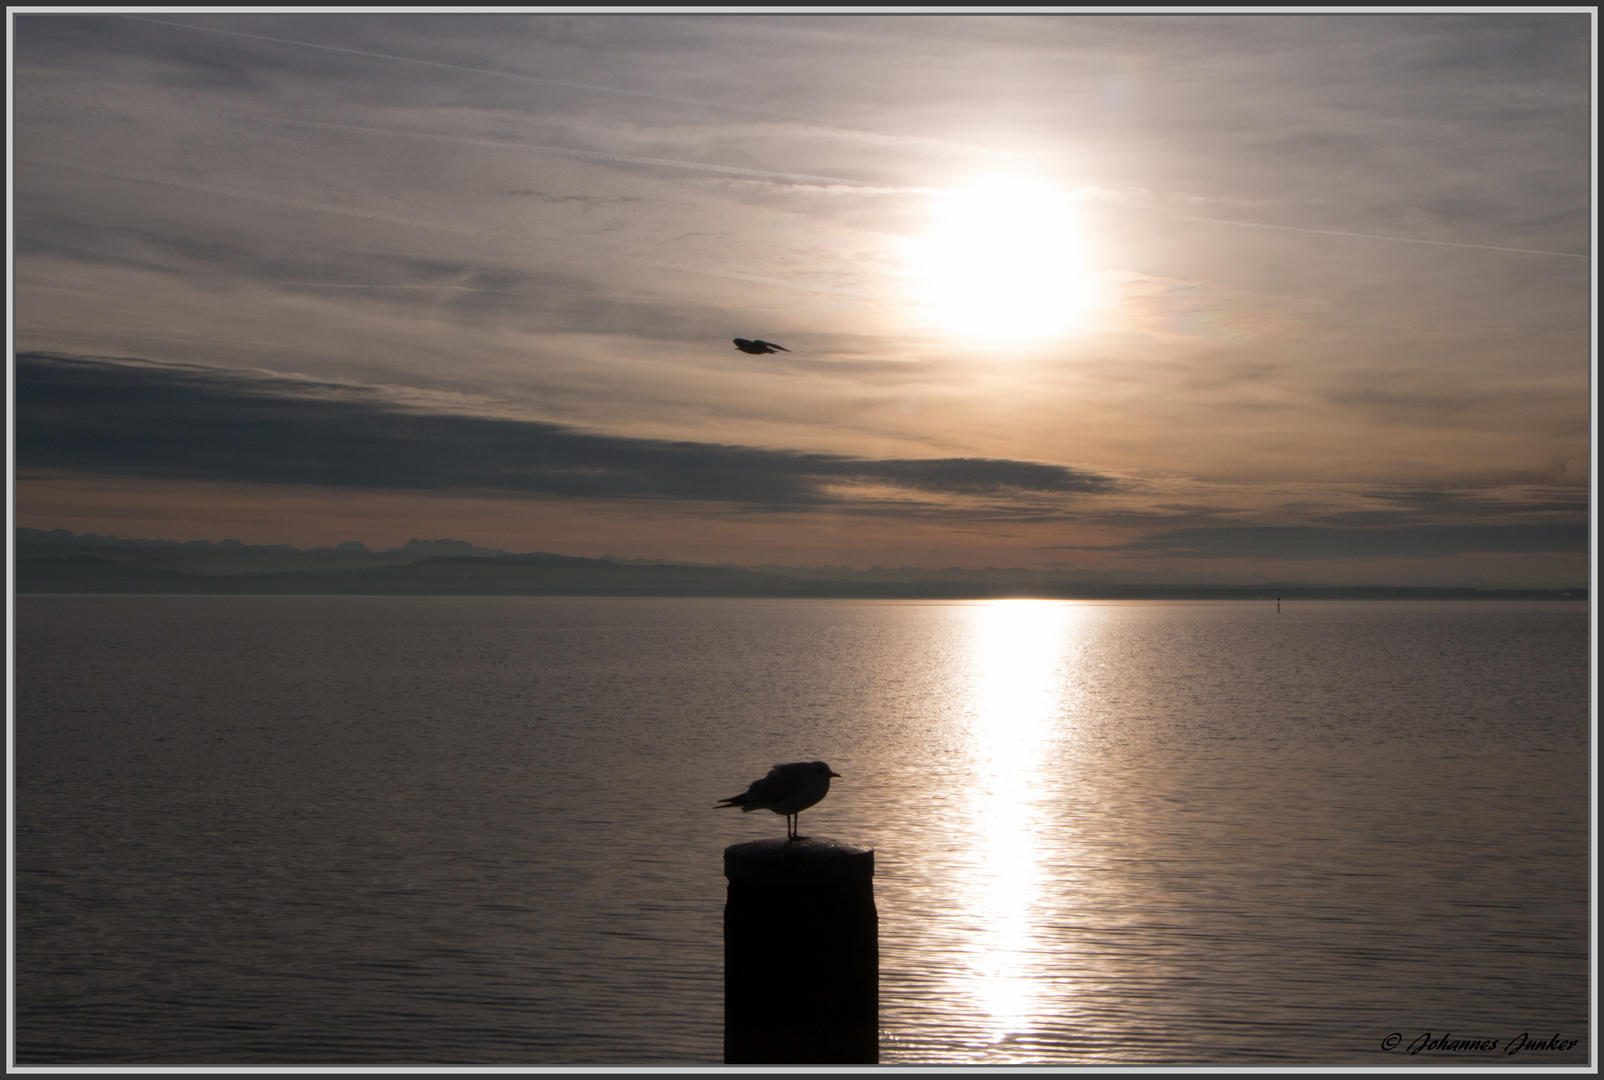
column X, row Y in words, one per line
column 1017, row 683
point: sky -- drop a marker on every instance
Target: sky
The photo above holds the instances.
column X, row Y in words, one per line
column 1269, row 296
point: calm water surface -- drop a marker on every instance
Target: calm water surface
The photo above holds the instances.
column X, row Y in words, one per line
column 479, row 831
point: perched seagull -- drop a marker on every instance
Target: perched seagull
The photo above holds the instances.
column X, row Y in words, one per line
column 787, row 789
column 758, row 348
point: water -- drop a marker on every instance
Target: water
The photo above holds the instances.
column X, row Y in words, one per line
column 338, row 830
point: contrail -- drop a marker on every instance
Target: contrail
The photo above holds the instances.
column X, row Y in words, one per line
column 568, row 151
column 269, row 200
column 1338, row 232
column 457, row 67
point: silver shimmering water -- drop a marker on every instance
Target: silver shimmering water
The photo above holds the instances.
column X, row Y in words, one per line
column 479, row 831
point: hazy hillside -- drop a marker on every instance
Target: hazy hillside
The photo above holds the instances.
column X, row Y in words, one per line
column 232, row 556
column 59, row 562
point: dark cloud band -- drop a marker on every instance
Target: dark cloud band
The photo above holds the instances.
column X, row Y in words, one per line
column 190, row 422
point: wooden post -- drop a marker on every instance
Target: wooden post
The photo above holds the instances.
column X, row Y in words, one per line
column 801, row 954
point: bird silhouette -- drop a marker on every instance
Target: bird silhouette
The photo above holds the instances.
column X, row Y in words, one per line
column 758, row 348
column 787, row 789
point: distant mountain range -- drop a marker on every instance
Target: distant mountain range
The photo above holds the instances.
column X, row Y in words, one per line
column 60, row 562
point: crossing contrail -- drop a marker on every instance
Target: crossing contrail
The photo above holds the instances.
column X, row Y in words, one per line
column 456, row 67
column 805, row 178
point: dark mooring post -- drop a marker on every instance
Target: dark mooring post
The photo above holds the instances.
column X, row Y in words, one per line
column 801, row 954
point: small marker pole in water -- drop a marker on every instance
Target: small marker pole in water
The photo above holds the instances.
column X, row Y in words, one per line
column 801, row 954
column 1278, row 605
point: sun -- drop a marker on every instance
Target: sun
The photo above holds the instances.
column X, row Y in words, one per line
column 1005, row 261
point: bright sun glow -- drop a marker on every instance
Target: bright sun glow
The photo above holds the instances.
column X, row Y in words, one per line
column 1005, row 262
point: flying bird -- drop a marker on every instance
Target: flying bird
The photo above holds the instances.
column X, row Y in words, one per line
column 758, row 348
column 787, row 789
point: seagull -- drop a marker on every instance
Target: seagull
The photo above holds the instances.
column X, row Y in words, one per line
column 787, row 789
column 758, row 348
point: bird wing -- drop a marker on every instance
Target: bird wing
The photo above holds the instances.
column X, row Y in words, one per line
column 782, row 782
column 771, row 345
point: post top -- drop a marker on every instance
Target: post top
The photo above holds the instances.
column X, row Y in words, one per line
column 816, row 859
column 813, row 847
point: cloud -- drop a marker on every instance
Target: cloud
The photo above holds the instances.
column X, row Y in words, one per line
column 488, row 291
column 253, row 196
column 192, row 422
column 1307, row 542
column 454, row 67
column 1361, row 235
column 1431, row 506
column 574, row 152
column 585, row 255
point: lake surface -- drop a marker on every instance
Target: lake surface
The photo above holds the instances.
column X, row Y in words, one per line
column 358, row 830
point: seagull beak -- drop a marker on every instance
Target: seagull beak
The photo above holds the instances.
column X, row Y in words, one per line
column 836, row 775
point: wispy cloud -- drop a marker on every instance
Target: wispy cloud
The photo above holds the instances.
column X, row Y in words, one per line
column 568, row 151
column 844, row 182
column 265, row 198
column 1354, row 235
column 494, row 73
